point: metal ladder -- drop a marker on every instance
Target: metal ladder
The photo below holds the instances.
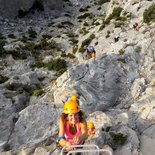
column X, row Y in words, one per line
column 85, row 149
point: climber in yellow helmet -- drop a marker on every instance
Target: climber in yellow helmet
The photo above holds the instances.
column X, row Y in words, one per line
column 91, row 130
column 72, row 126
column 75, row 98
column 91, row 53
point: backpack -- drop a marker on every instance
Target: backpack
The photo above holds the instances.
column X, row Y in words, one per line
column 90, row 49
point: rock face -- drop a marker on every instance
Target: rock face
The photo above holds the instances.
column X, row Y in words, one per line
column 11, row 8
column 30, row 128
column 99, row 83
column 116, row 90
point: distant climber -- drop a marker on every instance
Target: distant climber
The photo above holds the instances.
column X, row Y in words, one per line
column 136, row 26
column 75, row 98
column 116, row 38
column 72, row 126
column 91, row 130
column 91, row 53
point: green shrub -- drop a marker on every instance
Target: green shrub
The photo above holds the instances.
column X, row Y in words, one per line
column 73, row 40
column 88, row 40
column 2, row 50
column 118, row 24
column 6, row 147
column 114, row 15
column 121, row 60
column 108, row 34
column 64, row 24
column 121, row 52
column 46, row 36
column 83, row 9
column 85, row 24
column 75, row 50
column 59, row 65
column 23, row 39
column 3, row 79
column 85, row 15
column 39, row 64
column 32, row 33
column 102, row 27
column 31, row 47
column 149, row 14
column 69, row 55
column 118, row 139
column 81, row 50
column 38, row 92
column 121, row 18
column 96, row 43
column 138, row 49
column 18, row 54
column 83, row 31
column 67, row 23
column 11, row 36
column 2, row 43
column 100, row 2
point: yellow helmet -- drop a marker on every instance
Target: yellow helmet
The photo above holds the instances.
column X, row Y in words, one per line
column 93, row 54
column 75, row 97
column 71, row 107
column 90, row 125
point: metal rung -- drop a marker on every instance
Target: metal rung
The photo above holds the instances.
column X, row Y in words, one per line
column 93, row 150
column 85, row 150
column 79, row 146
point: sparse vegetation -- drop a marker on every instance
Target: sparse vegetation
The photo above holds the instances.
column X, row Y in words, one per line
column 114, row 15
column 18, row 54
column 118, row 139
column 83, row 9
column 102, row 27
column 118, row 24
column 100, row 2
column 75, row 49
column 73, row 40
column 3, row 79
column 69, row 55
column 121, row 60
column 138, row 49
column 11, row 36
column 38, row 92
column 85, row 24
column 57, row 65
column 32, row 33
column 83, row 31
column 81, row 50
column 2, row 43
column 149, row 14
column 88, row 40
column 85, row 15
column 32, row 47
column 6, row 147
column 64, row 24
column 121, row 52
column 108, row 34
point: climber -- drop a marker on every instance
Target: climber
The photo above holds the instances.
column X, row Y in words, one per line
column 91, row 53
column 91, row 130
column 72, row 126
column 75, row 98
column 116, row 38
column 136, row 26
